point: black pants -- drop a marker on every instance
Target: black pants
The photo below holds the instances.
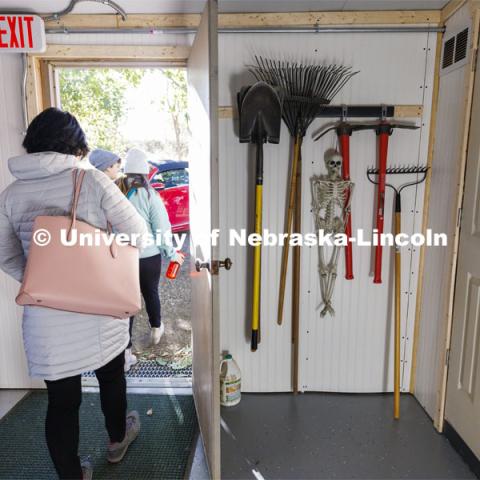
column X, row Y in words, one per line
column 150, row 268
column 62, row 423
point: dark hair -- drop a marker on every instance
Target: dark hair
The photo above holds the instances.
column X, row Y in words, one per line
column 134, row 180
column 56, row 131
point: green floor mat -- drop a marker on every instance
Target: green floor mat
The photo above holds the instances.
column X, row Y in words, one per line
column 161, row 451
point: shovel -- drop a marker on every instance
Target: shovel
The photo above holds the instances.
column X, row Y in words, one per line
column 260, row 111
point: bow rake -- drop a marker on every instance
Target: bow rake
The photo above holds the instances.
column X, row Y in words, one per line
column 372, row 173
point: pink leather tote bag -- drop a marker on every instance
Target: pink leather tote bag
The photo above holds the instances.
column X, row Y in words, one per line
column 102, row 280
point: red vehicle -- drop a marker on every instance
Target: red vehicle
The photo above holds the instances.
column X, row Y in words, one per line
column 170, row 180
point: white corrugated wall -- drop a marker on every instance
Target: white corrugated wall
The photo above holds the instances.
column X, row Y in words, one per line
column 442, row 217
column 351, row 352
column 13, row 364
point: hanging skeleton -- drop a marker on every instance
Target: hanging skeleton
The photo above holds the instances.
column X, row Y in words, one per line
column 331, row 198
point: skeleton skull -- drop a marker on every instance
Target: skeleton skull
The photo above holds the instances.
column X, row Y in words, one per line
column 333, row 162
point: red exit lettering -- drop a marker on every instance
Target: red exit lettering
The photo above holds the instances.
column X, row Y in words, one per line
column 18, row 28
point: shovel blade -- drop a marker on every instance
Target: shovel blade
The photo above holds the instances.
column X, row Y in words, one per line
column 260, row 109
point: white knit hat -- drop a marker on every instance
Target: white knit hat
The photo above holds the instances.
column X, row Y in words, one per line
column 136, row 162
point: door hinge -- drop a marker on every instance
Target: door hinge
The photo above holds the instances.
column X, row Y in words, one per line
column 459, row 216
column 447, row 357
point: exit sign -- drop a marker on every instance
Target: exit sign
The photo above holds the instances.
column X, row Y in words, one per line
column 22, row 33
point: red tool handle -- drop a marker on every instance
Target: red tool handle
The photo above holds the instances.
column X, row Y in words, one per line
column 344, row 140
column 382, row 169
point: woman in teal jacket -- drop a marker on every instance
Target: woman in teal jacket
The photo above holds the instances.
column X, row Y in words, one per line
column 150, row 206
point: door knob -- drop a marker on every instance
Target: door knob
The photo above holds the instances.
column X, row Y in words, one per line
column 199, row 265
column 216, row 265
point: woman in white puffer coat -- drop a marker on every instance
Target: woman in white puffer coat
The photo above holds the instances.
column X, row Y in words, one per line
column 61, row 345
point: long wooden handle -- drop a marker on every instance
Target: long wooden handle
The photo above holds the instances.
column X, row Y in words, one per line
column 398, row 279
column 296, row 277
column 288, row 227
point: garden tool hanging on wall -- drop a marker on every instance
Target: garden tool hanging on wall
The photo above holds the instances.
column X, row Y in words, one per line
column 306, row 89
column 331, row 197
column 260, row 110
column 383, row 130
column 344, row 131
column 421, row 173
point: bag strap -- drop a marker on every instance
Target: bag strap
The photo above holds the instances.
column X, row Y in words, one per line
column 77, row 187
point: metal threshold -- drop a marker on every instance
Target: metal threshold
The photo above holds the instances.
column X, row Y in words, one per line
column 149, row 374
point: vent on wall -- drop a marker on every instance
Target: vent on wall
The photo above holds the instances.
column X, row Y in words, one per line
column 461, row 45
column 448, row 51
column 455, row 50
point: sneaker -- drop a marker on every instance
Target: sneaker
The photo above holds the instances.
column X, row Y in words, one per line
column 130, row 360
column 156, row 334
column 116, row 451
column 87, row 469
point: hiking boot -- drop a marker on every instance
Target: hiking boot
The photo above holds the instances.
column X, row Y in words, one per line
column 87, row 469
column 156, row 334
column 116, row 451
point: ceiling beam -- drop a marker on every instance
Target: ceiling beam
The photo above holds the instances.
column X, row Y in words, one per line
column 247, row 20
column 311, row 19
column 144, row 53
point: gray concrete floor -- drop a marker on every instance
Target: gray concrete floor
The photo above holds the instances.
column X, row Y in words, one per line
column 327, row 436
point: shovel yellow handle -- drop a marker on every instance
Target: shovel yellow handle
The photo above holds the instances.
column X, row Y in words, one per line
column 257, row 264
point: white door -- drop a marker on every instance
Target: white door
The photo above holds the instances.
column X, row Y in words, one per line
column 463, row 386
column 203, row 167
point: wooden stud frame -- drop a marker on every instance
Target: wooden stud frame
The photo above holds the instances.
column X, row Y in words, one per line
column 426, row 206
column 39, row 92
column 251, row 20
column 401, row 111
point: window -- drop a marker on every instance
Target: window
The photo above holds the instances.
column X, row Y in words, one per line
column 171, row 178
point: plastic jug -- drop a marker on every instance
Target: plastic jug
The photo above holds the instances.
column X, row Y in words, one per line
column 230, row 382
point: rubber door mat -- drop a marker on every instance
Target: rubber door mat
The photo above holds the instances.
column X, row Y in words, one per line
column 161, row 451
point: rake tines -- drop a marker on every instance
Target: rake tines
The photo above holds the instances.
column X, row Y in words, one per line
column 420, row 170
column 404, row 169
column 306, row 88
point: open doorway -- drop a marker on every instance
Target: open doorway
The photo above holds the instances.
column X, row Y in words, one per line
column 121, row 107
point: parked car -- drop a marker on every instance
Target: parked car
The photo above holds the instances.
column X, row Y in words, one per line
column 170, row 179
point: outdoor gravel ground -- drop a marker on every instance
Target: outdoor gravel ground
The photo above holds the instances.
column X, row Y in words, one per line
column 175, row 298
